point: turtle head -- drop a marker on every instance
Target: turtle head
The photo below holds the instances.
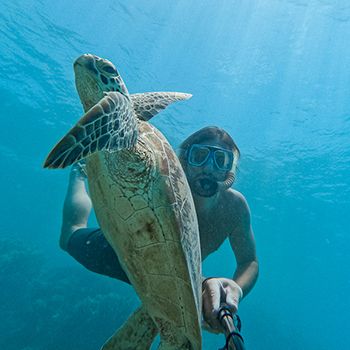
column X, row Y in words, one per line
column 93, row 77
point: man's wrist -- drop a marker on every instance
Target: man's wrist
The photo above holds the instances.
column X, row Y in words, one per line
column 240, row 291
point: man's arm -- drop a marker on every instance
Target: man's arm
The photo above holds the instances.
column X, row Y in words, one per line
column 77, row 205
column 230, row 291
column 243, row 245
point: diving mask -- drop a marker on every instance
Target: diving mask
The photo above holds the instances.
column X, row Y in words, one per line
column 198, row 155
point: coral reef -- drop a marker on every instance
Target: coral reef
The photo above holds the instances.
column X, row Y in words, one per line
column 56, row 308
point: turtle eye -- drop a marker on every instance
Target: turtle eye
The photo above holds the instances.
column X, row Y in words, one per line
column 110, row 70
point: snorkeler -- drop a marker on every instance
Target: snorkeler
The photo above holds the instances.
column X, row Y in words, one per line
column 209, row 158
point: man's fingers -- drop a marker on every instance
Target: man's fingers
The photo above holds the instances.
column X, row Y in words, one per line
column 233, row 295
column 211, row 302
column 215, row 292
column 211, row 296
column 232, row 302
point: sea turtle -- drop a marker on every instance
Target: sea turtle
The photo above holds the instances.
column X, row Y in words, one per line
column 140, row 195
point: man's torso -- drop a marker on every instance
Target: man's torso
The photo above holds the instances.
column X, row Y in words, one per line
column 217, row 224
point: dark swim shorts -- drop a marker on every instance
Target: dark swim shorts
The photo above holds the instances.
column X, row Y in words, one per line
column 89, row 247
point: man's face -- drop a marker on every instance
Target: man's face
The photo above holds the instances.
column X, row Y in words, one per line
column 208, row 163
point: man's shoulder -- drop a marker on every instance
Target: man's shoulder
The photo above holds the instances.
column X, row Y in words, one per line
column 237, row 206
column 236, row 199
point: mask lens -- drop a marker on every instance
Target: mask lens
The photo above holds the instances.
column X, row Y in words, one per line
column 223, row 159
column 198, row 155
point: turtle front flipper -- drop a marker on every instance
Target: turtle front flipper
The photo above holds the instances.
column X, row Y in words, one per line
column 148, row 104
column 109, row 125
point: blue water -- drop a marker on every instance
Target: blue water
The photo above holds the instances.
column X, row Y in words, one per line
column 274, row 73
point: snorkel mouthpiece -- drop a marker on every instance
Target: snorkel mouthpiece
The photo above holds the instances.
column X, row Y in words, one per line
column 204, row 187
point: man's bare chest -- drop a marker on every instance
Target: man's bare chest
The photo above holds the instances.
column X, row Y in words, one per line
column 212, row 233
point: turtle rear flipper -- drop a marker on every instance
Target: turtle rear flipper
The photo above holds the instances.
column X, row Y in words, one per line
column 148, row 104
column 137, row 333
column 109, row 125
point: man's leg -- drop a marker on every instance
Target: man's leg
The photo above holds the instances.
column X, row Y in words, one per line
column 77, row 206
column 86, row 245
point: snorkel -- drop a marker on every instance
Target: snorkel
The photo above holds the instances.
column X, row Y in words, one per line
column 231, row 175
column 198, row 184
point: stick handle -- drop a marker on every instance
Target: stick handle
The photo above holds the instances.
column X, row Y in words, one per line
column 234, row 340
column 226, row 321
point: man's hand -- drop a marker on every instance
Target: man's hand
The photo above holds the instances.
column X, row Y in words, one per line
column 216, row 291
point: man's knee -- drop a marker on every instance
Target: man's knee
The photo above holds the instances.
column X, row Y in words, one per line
column 90, row 248
column 66, row 233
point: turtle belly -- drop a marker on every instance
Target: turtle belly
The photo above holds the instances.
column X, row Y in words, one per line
column 145, row 209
